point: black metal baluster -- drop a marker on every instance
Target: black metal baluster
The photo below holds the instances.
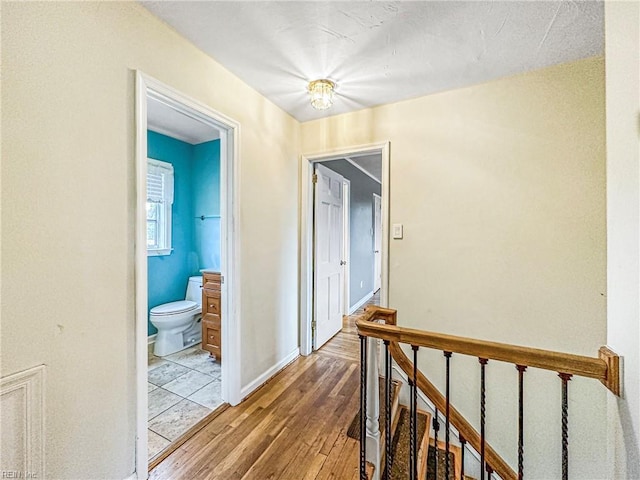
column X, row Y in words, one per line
column 521, row 370
column 463, row 444
column 436, row 428
column 565, row 424
column 446, row 417
column 413, row 425
column 483, row 401
column 363, row 407
column 489, row 471
column 387, row 420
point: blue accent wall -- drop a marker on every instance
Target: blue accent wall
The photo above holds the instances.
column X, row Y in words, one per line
column 196, row 185
column 206, row 203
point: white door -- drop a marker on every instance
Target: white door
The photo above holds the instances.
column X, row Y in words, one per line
column 377, row 242
column 328, row 268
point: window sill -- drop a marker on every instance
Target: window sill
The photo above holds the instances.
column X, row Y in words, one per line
column 160, row 252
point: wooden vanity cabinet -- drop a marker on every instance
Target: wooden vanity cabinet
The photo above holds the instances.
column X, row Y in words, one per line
column 211, row 314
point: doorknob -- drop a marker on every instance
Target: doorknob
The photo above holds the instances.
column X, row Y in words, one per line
column 342, row 262
column 376, row 251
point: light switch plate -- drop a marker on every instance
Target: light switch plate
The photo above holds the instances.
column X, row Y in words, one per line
column 397, row 230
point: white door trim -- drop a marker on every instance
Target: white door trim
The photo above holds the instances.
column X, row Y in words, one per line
column 230, row 239
column 306, row 229
column 346, row 244
column 376, row 196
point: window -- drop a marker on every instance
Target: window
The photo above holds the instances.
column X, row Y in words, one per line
column 159, row 201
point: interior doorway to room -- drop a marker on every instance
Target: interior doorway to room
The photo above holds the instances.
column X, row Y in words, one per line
column 187, row 368
column 347, row 251
column 183, row 257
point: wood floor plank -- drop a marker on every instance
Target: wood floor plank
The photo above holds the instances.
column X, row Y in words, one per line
column 250, row 449
column 314, row 468
column 276, row 458
column 333, row 465
column 292, row 428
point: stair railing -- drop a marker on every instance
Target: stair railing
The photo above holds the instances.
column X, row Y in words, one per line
column 379, row 323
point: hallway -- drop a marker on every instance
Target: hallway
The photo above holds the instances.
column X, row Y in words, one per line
column 294, row 427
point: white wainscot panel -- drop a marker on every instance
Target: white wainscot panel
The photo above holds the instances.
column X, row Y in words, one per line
column 22, row 432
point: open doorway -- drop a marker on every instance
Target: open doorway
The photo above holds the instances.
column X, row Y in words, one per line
column 186, row 321
column 346, row 272
column 183, row 255
column 356, row 175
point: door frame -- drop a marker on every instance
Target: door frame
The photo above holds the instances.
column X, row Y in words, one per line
column 346, row 243
column 375, row 195
column 147, row 86
column 306, row 229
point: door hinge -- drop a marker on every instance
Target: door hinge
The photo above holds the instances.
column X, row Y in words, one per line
column 221, row 278
column 313, row 330
column 314, row 179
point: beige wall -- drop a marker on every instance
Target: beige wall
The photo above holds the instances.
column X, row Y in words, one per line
column 68, row 200
column 623, row 229
column 501, row 190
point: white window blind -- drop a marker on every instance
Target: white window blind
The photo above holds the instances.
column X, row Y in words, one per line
column 159, row 182
column 159, row 201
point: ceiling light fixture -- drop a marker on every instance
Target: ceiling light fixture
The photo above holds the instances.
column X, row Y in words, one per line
column 321, row 93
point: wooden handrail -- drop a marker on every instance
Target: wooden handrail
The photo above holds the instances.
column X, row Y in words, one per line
column 605, row 367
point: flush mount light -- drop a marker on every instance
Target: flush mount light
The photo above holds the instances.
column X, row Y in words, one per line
column 321, row 93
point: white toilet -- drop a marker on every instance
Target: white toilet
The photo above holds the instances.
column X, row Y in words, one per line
column 178, row 323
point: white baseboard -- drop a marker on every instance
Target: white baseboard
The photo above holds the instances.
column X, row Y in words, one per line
column 151, row 340
column 361, row 302
column 133, row 476
column 248, row 389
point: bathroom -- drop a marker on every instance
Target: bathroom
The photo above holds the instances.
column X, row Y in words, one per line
column 183, row 245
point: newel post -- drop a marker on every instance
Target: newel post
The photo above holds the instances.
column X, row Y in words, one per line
column 373, row 407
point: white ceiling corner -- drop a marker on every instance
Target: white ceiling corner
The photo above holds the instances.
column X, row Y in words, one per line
column 370, row 164
column 383, row 51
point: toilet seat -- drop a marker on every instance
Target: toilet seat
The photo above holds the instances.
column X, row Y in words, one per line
column 174, row 308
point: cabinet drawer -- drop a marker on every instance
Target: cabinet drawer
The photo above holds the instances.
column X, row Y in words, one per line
column 211, row 281
column 210, row 302
column 212, row 341
column 213, row 337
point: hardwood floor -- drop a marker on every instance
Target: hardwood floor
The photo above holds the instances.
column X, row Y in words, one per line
column 293, row 428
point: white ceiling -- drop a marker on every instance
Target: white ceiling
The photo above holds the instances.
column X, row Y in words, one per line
column 380, row 52
column 163, row 119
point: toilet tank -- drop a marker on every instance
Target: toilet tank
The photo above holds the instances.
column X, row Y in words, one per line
column 194, row 289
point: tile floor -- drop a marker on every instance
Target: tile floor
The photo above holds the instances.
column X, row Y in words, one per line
column 183, row 389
